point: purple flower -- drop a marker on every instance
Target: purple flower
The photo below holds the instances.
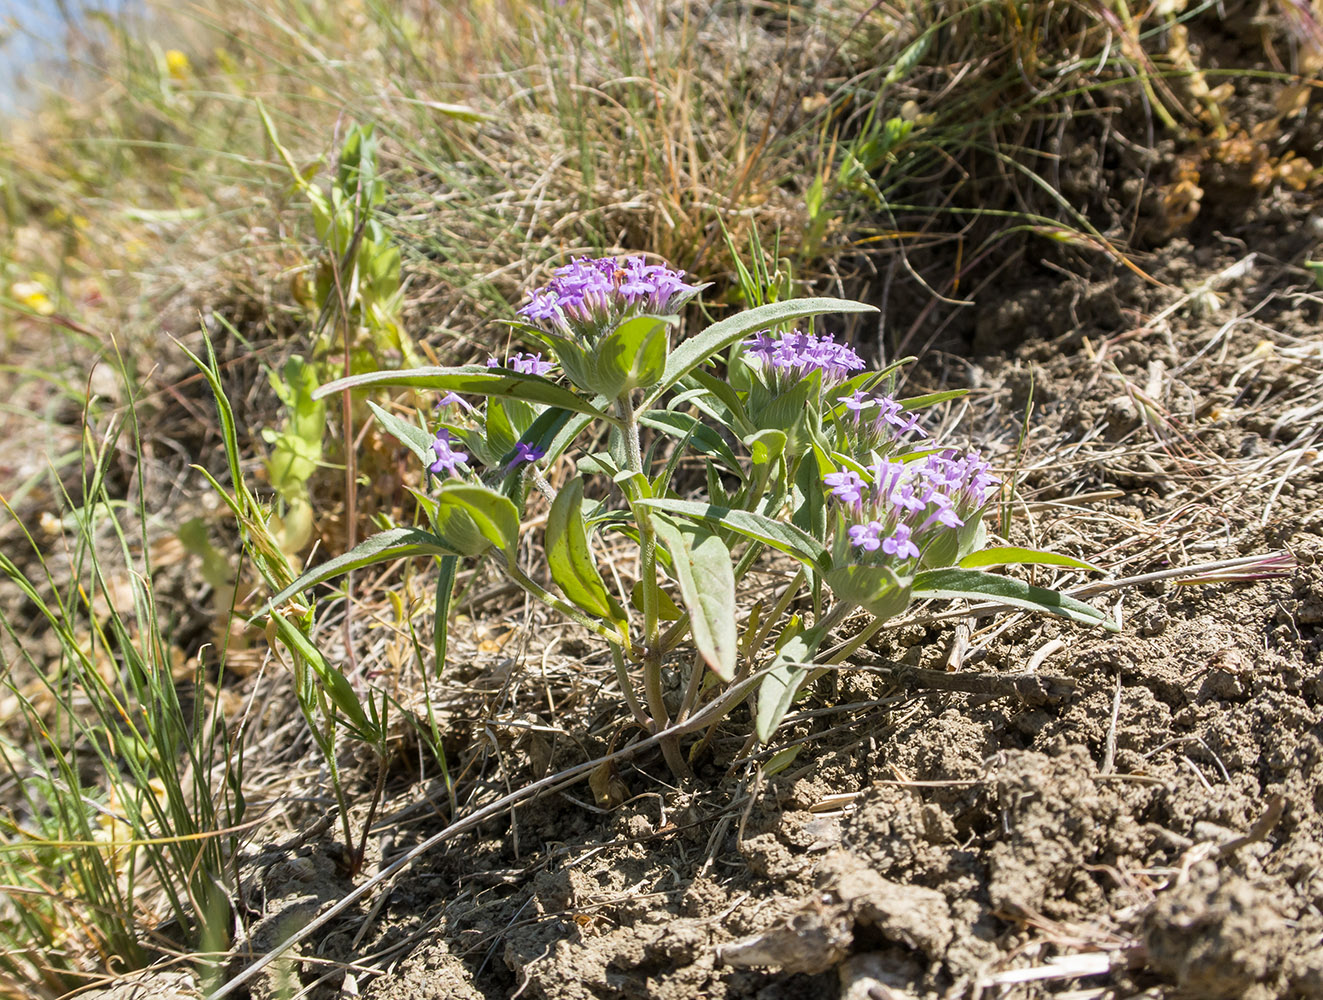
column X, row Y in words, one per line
column 867, row 536
column 589, row 294
column 943, row 513
column 878, row 431
column 795, row 355
column 872, row 537
column 447, row 458
column 898, row 509
column 525, row 452
column 846, row 486
column 859, row 401
column 453, row 399
column 525, row 364
column 899, row 544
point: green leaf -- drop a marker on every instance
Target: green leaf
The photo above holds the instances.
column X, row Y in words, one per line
column 877, row 589
column 1011, row 555
column 471, row 379
column 600, row 464
column 766, row 446
column 445, row 589
column 908, row 59
column 666, row 609
column 703, row 569
column 570, row 559
column 335, row 684
column 1315, row 267
column 493, row 513
column 784, row 537
column 633, row 355
column 501, row 432
column 932, row 399
column 701, row 437
column 973, row 584
column 716, row 338
column 386, row 546
column 409, row 434
column 791, row 668
column 725, row 394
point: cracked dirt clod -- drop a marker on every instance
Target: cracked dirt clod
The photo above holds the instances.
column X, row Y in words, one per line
column 822, row 933
column 1223, row 938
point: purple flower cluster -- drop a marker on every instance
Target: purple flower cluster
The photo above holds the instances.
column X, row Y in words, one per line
column 525, row 364
column 593, row 291
column 898, row 507
column 447, row 458
column 874, row 422
column 793, row 356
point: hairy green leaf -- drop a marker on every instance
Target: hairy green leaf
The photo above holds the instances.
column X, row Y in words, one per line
column 976, row 585
column 571, row 561
column 409, row 434
column 473, row 380
column 385, row 546
column 784, row 537
column 1012, row 555
column 706, row 577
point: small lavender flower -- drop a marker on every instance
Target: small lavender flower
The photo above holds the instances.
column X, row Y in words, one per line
column 447, row 458
column 525, row 452
column 867, row 536
column 525, row 364
column 793, row 356
column 899, row 544
column 875, row 423
column 846, row 486
column 454, row 399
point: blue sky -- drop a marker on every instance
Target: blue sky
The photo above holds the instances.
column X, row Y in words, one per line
column 32, row 38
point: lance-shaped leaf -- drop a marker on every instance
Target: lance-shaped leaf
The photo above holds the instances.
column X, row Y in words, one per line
column 409, row 434
column 334, row 683
column 700, row 436
column 791, row 668
column 779, row 535
column 571, row 561
column 717, row 337
column 728, row 397
column 706, row 577
column 932, row 399
column 470, row 379
column 385, row 546
column 976, row 585
column 1013, row 555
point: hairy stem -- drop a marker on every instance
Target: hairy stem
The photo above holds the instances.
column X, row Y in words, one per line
column 652, row 648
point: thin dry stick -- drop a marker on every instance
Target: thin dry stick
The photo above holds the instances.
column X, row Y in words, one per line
column 1109, row 756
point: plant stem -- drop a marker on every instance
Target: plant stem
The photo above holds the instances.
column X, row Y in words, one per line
column 652, row 648
column 627, row 688
column 551, row 600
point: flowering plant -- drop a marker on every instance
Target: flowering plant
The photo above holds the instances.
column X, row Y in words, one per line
column 807, row 454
